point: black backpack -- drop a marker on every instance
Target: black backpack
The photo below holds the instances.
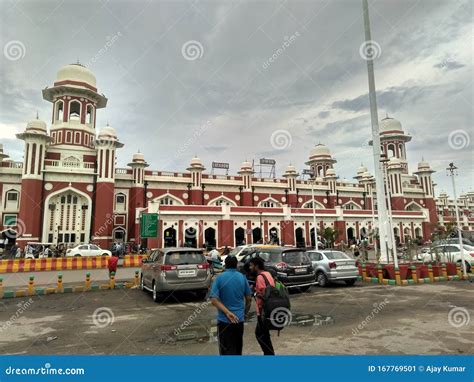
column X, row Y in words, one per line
column 276, row 308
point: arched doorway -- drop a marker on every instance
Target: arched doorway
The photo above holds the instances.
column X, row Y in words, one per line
column 190, row 237
column 257, row 235
column 299, row 237
column 119, row 235
column 67, row 218
column 396, row 234
column 406, row 234
column 418, row 233
column 210, row 238
column 311, row 237
column 350, row 234
column 363, row 233
column 274, row 239
column 169, row 237
column 239, row 236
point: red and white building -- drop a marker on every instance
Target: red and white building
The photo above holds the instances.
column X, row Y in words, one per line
column 68, row 190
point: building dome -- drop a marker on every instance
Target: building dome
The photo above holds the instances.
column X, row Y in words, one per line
column 290, row 169
column 36, row 126
column 390, row 124
column 107, row 132
column 246, row 166
column 423, row 166
column 77, row 73
column 394, row 161
column 196, row 163
column 362, row 169
column 138, row 157
column 320, row 150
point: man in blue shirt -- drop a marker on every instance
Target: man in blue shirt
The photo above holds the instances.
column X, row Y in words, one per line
column 231, row 295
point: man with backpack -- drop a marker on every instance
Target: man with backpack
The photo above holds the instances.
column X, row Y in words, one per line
column 272, row 304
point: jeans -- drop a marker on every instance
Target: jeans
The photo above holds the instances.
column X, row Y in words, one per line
column 230, row 338
column 262, row 333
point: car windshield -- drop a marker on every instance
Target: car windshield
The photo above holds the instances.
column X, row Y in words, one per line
column 294, row 257
column 182, row 258
column 336, row 256
column 235, row 251
column 313, row 255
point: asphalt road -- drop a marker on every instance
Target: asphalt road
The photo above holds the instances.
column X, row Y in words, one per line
column 43, row 278
column 364, row 319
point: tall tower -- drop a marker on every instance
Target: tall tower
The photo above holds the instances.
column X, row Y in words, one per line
column 393, row 140
column 320, row 160
column 196, row 168
column 137, row 198
column 75, row 102
column 246, row 171
column 291, row 174
column 106, row 144
column 31, row 202
column 424, row 178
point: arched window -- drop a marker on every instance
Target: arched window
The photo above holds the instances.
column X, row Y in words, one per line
column 268, row 203
column 74, row 111
column 11, row 200
column 90, row 114
column 391, row 150
column 59, row 112
column 120, row 202
column 402, row 152
column 166, row 201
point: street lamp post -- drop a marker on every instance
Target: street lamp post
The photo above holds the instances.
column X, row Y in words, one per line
column 313, row 204
column 452, row 170
column 391, row 236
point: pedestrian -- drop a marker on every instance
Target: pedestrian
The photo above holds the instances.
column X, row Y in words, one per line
column 262, row 331
column 113, row 262
column 231, row 295
column 226, row 251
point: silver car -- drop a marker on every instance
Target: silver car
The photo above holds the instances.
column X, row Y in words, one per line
column 175, row 269
column 333, row 266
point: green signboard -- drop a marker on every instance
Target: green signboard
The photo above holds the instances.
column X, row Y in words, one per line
column 148, row 225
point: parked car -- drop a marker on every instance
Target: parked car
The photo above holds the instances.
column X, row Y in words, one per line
column 175, row 269
column 290, row 266
column 450, row 253
column 87, row 250
column 333, row 266
column 243, row 250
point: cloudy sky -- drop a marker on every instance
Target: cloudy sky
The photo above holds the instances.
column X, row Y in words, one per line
column 236, row 80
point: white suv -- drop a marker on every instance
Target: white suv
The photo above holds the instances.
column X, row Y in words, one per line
column 450, row 253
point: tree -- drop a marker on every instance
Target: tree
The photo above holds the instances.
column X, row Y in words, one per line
column 330, row 235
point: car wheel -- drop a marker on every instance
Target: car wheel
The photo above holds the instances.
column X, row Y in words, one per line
column 105, row 254
column 350, row 282
column 77, row 255
column 322, row 279
column 304, row 288
column 156, row 294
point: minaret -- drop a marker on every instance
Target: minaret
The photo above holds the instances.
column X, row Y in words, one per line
column 291, row 174
column 246, row 171
column 196, row 192
column 36, row 140
column 137, row 193
column 76, row 100
column 424, row 178
column 106, row 144
column 320, row 160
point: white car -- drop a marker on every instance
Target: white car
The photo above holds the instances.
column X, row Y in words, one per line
column 450, row 253
column 87, row 250
column 243, row 250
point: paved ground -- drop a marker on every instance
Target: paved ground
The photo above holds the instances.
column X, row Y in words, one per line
column 365, row 319
column 42, row 278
